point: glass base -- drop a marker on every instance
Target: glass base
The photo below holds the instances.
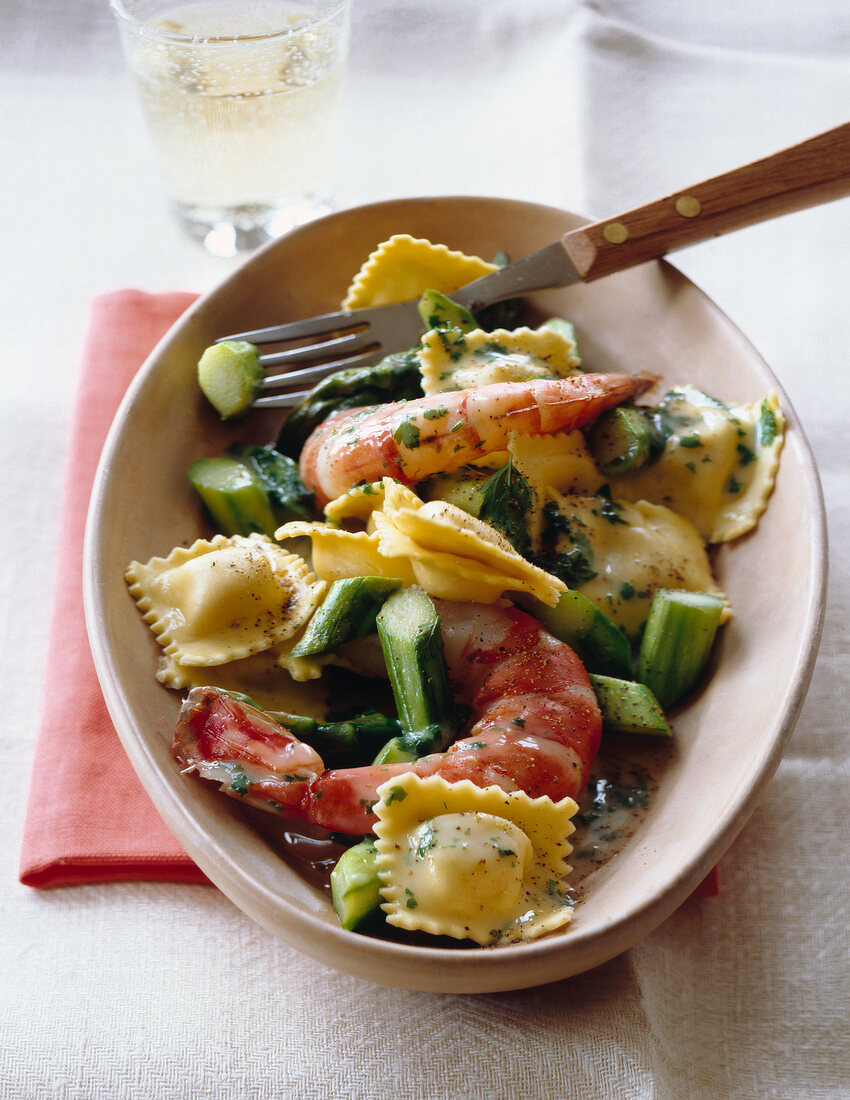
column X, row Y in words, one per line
column 233, row 230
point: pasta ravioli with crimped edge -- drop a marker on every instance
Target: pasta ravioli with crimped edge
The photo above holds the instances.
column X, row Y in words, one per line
column 717, row 468
column 224, row 599
column 404, row 267
column 481, row 358
column 469, row 862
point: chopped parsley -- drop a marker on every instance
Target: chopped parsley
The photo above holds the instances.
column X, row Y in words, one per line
column 239, row 782
column 407, row 435
column 567, row 553
column 609, row 509
column 746, row 454
column 766, row 428
column 506, row 500
column 427, row 841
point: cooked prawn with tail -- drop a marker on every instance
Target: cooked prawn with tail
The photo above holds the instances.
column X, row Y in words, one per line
column 535, row 726
column 411, row 440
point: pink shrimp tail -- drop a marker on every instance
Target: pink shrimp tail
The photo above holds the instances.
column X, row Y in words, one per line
column 254, row 758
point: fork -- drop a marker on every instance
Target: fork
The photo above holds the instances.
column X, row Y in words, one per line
column 807, row 174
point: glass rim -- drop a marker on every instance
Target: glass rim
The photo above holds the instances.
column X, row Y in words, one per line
column 143, row 26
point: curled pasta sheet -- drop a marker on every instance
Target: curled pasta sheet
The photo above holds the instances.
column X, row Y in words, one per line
column 435, row 545
column 472, row 863
column 224, row 599
column 718, row 466
column 453, row 555
column 404, row 267
column 482, row 358
column 337, row 553
column 357, row 503
column 445, row 576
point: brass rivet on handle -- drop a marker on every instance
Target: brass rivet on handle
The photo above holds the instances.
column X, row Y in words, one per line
column 688, row 206
column 615, row 233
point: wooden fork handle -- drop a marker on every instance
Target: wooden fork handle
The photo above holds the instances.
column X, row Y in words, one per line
column 813, row 172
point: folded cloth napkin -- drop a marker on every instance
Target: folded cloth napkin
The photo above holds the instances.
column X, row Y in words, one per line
column 88, row 818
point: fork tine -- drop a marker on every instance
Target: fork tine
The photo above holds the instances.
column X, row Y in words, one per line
column 281, row 400
column 346, row 339
column 351, row 342
column 324, row 325
column 317, row 373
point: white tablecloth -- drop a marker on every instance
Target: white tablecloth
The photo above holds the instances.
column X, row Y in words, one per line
column 147, row 990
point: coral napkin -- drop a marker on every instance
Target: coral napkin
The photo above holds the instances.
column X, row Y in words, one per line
column 88, row 818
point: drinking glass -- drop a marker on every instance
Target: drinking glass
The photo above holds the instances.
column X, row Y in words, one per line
column 242, row 101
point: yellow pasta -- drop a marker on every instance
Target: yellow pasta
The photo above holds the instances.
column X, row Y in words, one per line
column 224, row 599
column 481, row 358
column 404, row 267
column 473, row 863
column 717, row 468
column 337, row 553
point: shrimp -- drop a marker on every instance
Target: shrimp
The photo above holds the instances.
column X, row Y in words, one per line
column 535, row 726
column 410, row 440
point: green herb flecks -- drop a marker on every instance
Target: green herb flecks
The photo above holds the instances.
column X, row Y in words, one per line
column 766, row 427
column 609, row 509
column 238, row 779
column 427, row 841
column 506, row 500
column 407, row 435
column 746, row 454
column 567, row 552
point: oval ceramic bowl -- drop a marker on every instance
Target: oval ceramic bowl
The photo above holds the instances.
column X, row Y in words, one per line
column 728, row 741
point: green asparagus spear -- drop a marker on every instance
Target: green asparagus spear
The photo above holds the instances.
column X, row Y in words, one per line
column 230, row 377
column 348, row 611
column 602, row 646
column 355, row 886
column 677, row 642
column 409, row 630
column 629, row 707
column 233, row 496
